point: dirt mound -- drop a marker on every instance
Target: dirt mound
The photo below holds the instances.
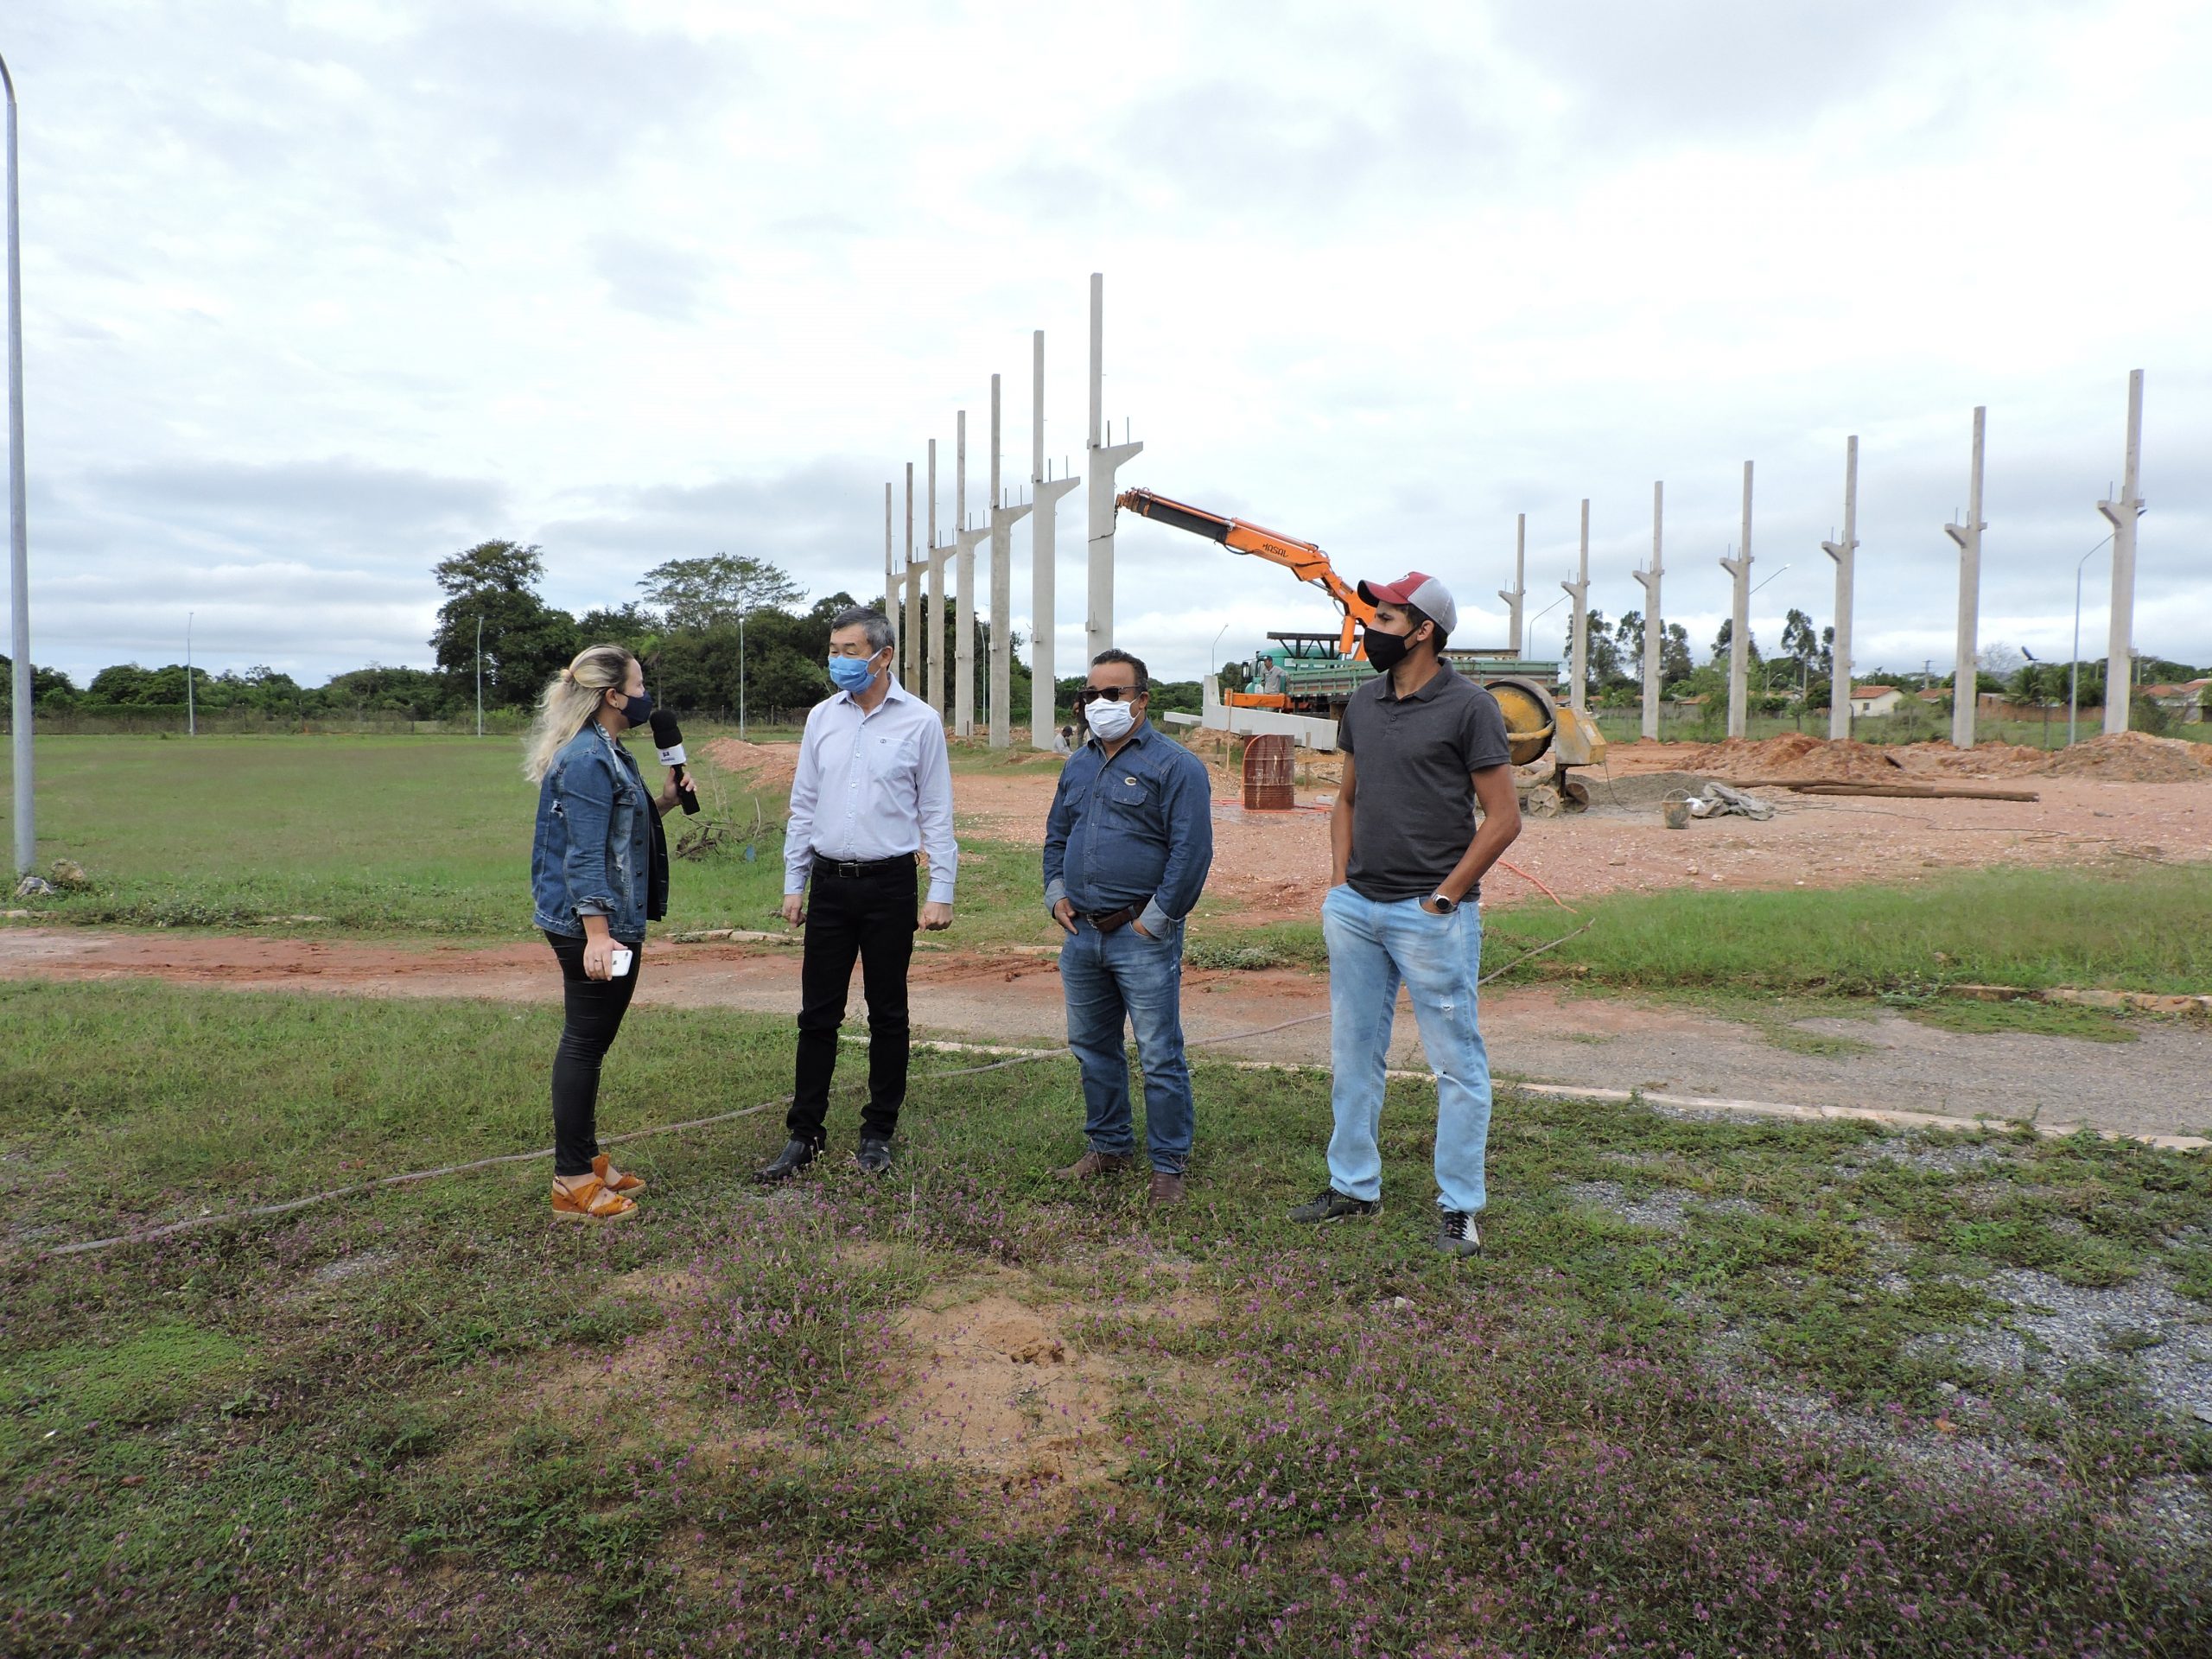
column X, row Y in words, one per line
column 2133, row 758
column 1796, row 757
column 1983, row 760
column 761, row 766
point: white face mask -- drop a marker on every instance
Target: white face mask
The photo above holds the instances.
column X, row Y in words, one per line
column 1109, row 721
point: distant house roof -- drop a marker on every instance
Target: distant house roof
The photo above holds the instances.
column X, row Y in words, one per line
column 1863, row 692
column 1699, row 698
column 1934, row 694
column 2163, row 690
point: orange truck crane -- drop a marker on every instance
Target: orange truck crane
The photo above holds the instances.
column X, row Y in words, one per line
column 1537, row 726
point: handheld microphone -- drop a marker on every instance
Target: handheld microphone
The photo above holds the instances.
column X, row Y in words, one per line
column 668, row 738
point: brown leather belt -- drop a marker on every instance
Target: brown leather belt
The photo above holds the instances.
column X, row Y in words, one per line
column 1106, row 921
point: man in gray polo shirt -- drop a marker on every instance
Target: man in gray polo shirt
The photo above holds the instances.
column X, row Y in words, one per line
column 1422, row 745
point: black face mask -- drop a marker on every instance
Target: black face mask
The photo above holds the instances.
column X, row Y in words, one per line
column 639, row 711
column 1385, row 650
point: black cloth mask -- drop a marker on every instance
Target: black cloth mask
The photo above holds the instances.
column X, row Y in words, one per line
column 639, row 710
column 1385, row 650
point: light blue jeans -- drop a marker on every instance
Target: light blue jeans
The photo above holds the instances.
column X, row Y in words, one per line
column 1372, row 947
column 1108, row 978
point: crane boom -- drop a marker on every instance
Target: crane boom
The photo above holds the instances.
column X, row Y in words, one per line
column 1302, row 559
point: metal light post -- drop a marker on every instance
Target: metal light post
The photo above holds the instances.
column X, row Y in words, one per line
column 191, row 719
column 2074, row 668
column 740, row 675
column 479, row 674
column 19, row 569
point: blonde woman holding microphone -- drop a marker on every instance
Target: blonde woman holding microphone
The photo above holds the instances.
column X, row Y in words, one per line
column 598, row 873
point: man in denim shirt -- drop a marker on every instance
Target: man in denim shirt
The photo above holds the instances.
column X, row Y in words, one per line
column 1126, row 848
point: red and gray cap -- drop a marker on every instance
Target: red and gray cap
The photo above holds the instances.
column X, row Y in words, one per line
column 1424, row 594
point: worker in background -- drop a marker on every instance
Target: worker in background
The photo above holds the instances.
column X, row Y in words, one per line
column 1423, row 746
column 1127, row 848
column 873, row 788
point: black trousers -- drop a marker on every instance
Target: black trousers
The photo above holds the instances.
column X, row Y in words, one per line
column 594, row 1008
column 872, row 918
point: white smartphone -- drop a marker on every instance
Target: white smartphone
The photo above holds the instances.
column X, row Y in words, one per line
column 618, row 962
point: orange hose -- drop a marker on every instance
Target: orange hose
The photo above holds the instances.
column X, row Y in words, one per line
column 1539, row 886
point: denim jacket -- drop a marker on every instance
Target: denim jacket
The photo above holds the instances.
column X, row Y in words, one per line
column 599, row 849
column 1136, row 829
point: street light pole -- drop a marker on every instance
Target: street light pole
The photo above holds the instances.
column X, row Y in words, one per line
column 741, row 675
column 479, row 674
column 19, row 572
column 2074, row 668
column 191, row 719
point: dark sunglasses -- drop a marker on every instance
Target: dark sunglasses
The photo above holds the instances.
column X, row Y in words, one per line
column 1111, row 693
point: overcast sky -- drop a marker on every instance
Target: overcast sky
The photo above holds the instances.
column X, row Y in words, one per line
column 318, row 293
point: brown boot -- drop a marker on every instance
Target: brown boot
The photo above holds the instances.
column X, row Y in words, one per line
column 1167, row 1186
column 1093, row 1165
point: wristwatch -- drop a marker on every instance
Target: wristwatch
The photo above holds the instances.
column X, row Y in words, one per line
column 1445, row 905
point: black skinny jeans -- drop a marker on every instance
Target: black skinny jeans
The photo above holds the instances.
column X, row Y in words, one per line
column 872, row 918
column 594, row 1008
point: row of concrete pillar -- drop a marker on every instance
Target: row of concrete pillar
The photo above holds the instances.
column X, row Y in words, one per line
column 914, row 591
column 2121, row 513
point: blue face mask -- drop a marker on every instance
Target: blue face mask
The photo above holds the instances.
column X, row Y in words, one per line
column 852, row 673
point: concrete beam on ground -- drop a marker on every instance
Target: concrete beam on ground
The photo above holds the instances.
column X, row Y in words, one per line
column 1739, row 625
column 2119, row 637
column 1577, row 635
column 1519, row 591
column 1843, row 553
column 1655, row 631
column 1043, row 554
column 1003, row 519
column 1964, row 683
column 1102, row 460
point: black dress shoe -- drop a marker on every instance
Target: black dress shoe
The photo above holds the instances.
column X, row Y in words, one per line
column 795, row 1156
column 875, row 1154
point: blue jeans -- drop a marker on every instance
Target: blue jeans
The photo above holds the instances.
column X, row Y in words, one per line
column 1372, row 947
column 1110, row 977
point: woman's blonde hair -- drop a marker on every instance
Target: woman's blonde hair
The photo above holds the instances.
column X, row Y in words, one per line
column 567, row 700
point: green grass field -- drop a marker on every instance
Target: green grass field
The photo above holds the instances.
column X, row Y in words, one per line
column 430, row 1420
column 394, row 835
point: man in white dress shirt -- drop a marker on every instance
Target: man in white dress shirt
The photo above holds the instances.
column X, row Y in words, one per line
column 873, row 787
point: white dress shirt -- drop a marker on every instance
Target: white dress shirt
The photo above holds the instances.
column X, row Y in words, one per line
column 870, row 785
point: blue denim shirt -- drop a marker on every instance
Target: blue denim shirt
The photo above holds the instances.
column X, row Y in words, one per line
column 593, row 852
column 1136, row 829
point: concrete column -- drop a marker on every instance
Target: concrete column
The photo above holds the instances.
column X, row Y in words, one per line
column 1843, row 552
column 1578, row 637
column 934, row 628
column 2119, row 641
column 902, row 621
column 1740, row 627
column 1003, row 519
column 1519, row 589
column 963, row 566
column 1655, row 630
column 890, row 605
column 1969, row 536
column 1104, row 459
column 1044, row 550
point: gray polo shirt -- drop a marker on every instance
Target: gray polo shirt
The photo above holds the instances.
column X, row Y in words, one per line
column 1412, row 810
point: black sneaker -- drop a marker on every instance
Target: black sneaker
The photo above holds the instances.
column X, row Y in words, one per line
column 875, row 1154
column 1332, row 1205
column 1457, row 1236
column 795, row 1156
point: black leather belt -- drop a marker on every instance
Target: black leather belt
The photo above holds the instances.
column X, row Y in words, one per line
column 1106, row 921
column 850, row 868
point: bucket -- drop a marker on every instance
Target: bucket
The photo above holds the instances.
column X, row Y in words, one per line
column 1675, row 809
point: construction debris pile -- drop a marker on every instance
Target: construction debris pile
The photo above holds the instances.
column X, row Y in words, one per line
column 1796, row 757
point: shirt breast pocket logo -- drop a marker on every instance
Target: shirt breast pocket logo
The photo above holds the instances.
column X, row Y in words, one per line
column 1128, row 792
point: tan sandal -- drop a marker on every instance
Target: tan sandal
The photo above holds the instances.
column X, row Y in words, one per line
column 590, row 1201
column 625, row 1183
